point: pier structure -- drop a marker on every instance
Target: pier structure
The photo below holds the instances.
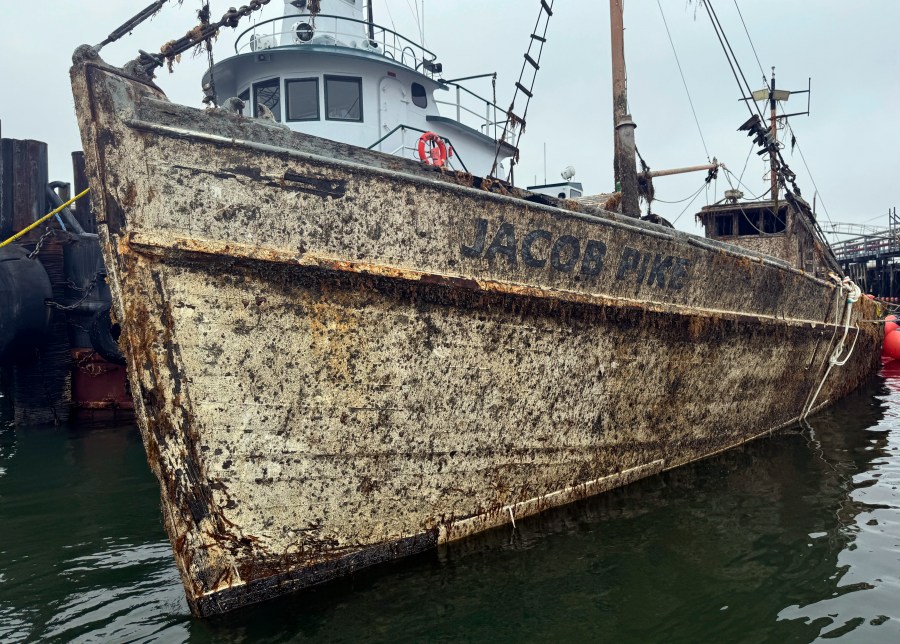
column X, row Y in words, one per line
column 57, row 348
column 870, row 255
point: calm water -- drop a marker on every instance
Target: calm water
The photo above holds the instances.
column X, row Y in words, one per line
column 788, row 539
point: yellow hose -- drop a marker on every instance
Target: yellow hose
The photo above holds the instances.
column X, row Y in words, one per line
column 31, row 227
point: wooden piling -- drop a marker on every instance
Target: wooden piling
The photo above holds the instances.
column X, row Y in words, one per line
column 41, row 389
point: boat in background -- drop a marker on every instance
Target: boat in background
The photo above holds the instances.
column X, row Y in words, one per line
column 340, row 356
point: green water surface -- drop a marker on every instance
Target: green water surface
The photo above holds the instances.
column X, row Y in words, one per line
column 789, row 539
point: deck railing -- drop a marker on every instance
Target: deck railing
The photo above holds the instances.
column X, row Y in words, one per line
column 336, row 31
column 863, row 247
column 477, row 112
column 880, row 243
column 412, row 146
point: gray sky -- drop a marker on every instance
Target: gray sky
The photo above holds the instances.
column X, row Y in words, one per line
column 850, row 49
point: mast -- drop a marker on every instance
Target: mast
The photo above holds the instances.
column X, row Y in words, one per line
column 773, row 132
column 769, row 139
column 371, row 21
column 624, row 159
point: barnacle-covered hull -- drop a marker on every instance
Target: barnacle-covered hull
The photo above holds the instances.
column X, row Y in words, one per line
column 340, row 357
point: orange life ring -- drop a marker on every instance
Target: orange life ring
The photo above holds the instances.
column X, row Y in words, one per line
column 436, row 154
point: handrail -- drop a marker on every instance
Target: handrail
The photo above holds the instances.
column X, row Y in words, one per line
column 468, row 91
column 402, row 127
column 876, row 246
column 400, row 46
column 463, row 108
column 489, row 119
column 465, row 78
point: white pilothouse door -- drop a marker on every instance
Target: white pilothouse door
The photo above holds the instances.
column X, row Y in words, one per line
column 393, row 112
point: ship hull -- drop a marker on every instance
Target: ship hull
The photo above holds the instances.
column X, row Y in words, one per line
column 340, row 357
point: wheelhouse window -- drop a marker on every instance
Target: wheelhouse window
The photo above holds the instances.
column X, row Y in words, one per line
column 343, row 98
column 245, row 96
column 419, row 96
column 724, row 226
column 268, row 93
column 302, row 95
column 773, row 223
column 748, row 222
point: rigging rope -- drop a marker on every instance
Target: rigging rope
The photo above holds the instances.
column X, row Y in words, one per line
column 693, row 194
column 784, row 172
column 170, row 52
column 743, row 185
column 732, row 60
column 746, row 161
column 746, row 31
column 148, row 12
column 683, row 81
column 805, row 165
column 761, row 232
column 387, row 5
column 414, row 12
column 697, row 194
column 203, row 15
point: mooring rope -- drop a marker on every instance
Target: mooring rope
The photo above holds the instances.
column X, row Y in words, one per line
column 836, row 359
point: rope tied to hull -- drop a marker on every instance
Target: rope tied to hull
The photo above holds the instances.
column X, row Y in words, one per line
column 838, row 358
column 854, row 294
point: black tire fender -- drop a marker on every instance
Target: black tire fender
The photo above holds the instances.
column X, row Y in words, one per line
column 103, row 337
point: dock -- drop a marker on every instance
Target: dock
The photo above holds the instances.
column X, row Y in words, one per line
column 58, row 355
column 871, row 258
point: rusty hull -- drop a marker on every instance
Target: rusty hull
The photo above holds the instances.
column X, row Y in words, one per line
column 340, row 357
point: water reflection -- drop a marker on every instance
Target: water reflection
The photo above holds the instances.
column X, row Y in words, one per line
column 82, row 551
column 866, row 582
column 791, row 538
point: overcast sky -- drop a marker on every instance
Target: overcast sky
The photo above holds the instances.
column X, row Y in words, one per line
column 849, row 48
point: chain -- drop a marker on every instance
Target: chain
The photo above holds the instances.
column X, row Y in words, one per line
column 87, row 290
column 87, row 366
column 210, row 91
column 40, row 242
column 172, row 50
column 81, row 289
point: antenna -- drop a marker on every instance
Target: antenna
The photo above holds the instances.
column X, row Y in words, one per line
column 770, row 139
column 545, row 163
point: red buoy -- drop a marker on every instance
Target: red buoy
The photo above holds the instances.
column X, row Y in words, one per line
column 890, row 323
column 891, row 348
